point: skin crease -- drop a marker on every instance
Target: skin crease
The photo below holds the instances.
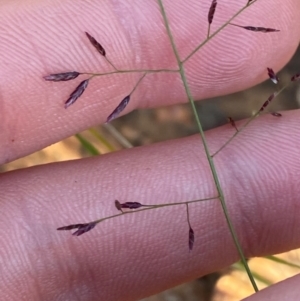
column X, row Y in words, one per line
column 139, row 254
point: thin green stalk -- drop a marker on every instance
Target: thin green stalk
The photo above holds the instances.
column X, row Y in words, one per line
column 208, row 32
column 110, row 62
column 239, row 130
column 95, row 133
column 134, row 88
column 188, row 215
column 280, row 260
column 210, row 160
column 130, row 71
column 87, row 145
column 117, row 135
column 239, row 266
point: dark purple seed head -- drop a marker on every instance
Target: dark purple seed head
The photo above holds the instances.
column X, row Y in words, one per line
column 191, row 238
column 81, row 228
column 127, row 205
column 268, row 29
column 71, row 227
column 131, row 205
column 77, row 93
column 260, row 29
column 116, row 112
column 232, row 122
column 267, row 102
column 118, row 205
column 57, row 77
column 85, row 228
column 212, row 10
column 96, row 44
column 256, row 29
column 274, row 78
column 276, row 114
column 295, row 77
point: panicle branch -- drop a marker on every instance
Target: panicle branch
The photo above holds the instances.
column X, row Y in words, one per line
column 275, row 79
column 134, row 207
column 123, row 104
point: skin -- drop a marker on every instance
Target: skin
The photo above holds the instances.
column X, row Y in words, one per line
column 139, row 254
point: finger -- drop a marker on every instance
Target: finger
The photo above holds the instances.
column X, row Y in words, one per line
column 44, row 37
column 139, row 254
column 284, row 290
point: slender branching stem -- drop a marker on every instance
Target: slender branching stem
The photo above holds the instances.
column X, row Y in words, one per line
column 208, row 32
column 131, row 71
column 151, row 207
column 188, row 215
column 246, row 124
column 110, row 62
column 117, row 135
column 211, row 36
column 96, row 134
column 138, row 82
column 210, row 159
column 82, row 228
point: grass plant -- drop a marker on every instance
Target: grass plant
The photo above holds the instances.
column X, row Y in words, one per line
column 135, row 207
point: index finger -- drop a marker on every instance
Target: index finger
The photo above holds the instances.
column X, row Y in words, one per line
column 43, row 37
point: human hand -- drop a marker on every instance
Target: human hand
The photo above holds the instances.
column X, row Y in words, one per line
column 139, row 254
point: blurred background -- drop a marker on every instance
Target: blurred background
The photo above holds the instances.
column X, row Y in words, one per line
column 144, row 127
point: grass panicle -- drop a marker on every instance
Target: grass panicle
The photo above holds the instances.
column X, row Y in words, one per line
column 135, row 207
